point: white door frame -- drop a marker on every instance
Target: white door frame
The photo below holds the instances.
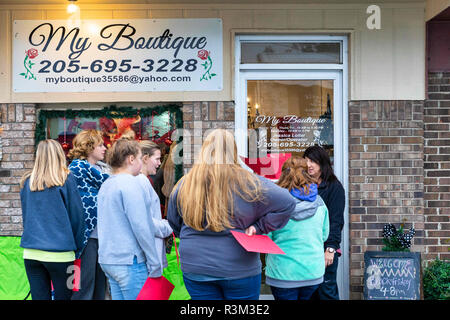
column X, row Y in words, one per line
column 336, row 72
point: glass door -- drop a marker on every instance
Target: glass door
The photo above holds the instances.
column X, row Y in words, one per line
column 287, row 116
column 284, row 112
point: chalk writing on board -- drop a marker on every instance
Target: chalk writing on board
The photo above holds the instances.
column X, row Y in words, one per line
column 391, row 278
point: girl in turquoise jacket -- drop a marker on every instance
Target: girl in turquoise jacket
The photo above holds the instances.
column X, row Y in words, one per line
column 298, row 273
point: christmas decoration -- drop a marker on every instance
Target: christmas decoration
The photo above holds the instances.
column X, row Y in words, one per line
column 397, row 240
column 66, row 147
column 114, row 122
column 123, row 125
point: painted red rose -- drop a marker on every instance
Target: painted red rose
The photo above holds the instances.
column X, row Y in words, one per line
column 32, row 53
column 203, row 54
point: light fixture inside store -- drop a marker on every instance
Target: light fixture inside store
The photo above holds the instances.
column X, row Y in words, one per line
column 93, row 28
column 72, row 7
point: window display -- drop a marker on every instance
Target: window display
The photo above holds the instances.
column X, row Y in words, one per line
column 157, row 123
column 284, row 117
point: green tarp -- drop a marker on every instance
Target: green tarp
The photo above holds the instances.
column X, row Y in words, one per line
column 13, row 279
column 14, row 283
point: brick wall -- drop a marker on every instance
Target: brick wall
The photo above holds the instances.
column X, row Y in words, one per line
column 437, row 167
column 199, row 117
column 399, row 168
column 386, row 177
column 17, row 139
column 18, row 122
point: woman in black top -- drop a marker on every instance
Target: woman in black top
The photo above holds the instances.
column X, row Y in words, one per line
column 333, row 194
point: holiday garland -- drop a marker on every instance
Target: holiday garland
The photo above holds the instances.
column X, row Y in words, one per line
column 110, row 113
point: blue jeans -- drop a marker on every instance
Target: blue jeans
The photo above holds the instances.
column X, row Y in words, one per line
column 300, row 293
column 126, row 281
column 238, row 289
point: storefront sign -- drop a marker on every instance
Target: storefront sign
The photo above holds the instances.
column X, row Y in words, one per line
column 291, row 133
column 117, row 55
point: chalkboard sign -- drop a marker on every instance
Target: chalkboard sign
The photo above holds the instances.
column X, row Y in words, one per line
column 391, row 275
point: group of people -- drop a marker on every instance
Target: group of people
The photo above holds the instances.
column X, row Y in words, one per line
column 109, row 216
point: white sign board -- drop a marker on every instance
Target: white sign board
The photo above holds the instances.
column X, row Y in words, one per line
column 117, row 55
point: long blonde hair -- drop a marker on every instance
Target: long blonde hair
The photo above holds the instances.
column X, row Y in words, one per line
column 50, row 167
column 206, row 192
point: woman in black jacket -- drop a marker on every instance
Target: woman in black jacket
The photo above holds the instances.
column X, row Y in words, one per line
column 333, row 194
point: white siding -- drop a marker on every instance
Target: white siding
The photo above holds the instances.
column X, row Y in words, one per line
column 385, row 64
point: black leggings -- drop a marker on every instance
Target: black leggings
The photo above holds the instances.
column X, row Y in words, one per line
column 40, row 274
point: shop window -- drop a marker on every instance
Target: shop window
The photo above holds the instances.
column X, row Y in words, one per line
column 156, row 127
column 291, row 52
column 158, row 124
column 284, row 117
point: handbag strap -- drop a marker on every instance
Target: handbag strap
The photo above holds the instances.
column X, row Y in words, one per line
column 176, row 249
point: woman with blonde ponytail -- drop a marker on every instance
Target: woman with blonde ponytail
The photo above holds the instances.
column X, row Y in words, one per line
column 217, row 195
column 53, row 223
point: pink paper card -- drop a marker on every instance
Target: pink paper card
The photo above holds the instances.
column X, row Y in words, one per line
column 156, row 289
column 77, row 275
column 257, row 243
